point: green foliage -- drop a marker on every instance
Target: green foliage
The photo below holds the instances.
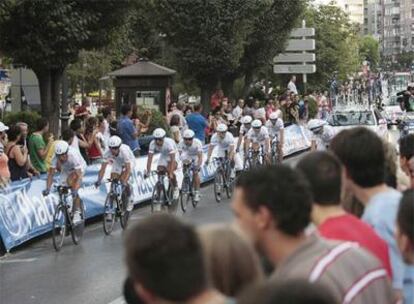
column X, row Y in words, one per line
column 312, row 107
column 157, row 120
column 30, row 118
column 369, row 50
column 336, row 43
column 405, row 60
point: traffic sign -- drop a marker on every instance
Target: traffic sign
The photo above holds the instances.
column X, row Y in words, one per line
column 294, row 69
column 301, row 45
column 302, row 32
column 295, row 57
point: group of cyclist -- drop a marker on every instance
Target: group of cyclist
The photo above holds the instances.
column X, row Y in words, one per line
column 255, row 137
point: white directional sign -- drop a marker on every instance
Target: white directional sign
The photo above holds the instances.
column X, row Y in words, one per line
column 301, row 45
column 302, row 32
column 294, row 69
column 295, row 57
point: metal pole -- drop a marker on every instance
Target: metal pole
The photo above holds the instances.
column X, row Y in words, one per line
column 304, row 76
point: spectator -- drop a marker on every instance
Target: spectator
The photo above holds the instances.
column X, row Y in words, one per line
column 3, row 134
column 365, row 178
column 292, row 85
column 324, row 173
column 107, row 119
column 391, row 160
column 231, row 262
column 100, row 135
column 270, row 108
column 173, row 272
column 407, row 156
column 259, row 112
column 405, row 227
column 290, row 292
column 4, row 168
column 83, row 112
column 38, row 149
column 80, row 143
column 24, row 132
column 129, row 293
column 113, row 128
column 198, row 123
column 273, row 206
column 127, row 131
column 91, row 135
column 238, row 110
column 141, row 127
column 216, row 99
column 175, row 128
column 188, row 110
column 178, row 110
column 18, row 156
column 248, row 109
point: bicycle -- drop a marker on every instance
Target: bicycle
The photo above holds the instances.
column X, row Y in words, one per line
column 162, row 195
column 276, row 153
column 255, row 158
column 187, row 192
column 223, row 179
column 62, row 220
column 115, row 207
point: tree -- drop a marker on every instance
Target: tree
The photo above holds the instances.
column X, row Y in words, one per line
column 206, row 37
column 336, row 44
column 369, row 50
column 273, row 23
column 405, row 60
column 47, row 35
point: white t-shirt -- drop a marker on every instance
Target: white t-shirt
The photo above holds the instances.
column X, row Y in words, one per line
column 222, row 144
column 118, row 162
column 258, row 137
column 190, row 152
column 237, row 112
column 274, row 129
column 75, row 162
column 292, row 87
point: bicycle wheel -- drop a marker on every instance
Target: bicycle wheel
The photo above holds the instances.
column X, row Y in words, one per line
column 156, row 199
column 218, row 186
column 229, row 184
column 108, row 219
column 59, row 227
column 185, row 194
column 123, row 212
column 77, row 230
column 173, row 205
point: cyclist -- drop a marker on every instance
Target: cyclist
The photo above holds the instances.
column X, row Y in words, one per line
column 276, row 130
column 123, row 162
column 258, row 137
column 168, row 157
column 191, row 150
column 72, row 167
column 246, row 122
column 224, row 141
column 322, row 134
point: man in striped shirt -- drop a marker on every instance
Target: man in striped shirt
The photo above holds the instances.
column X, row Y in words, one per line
column 273, row 207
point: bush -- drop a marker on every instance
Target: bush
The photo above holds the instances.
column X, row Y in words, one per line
column 312, row 107
column 28, row 117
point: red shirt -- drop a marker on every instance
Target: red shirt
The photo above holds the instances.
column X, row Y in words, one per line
column 350, row 228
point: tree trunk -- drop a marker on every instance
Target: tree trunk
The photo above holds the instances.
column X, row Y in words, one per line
column 56, row 77
column 248, row 79
column 205, row 99
column 227, row 85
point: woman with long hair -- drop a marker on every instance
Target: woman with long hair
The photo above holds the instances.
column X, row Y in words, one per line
column 95, row 147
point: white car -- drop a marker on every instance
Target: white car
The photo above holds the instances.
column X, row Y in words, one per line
column 346, row 118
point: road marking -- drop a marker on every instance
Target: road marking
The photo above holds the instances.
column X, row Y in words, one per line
column 17, row 261
column 119, row 300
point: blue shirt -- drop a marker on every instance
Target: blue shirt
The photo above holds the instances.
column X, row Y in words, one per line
column 381, row 214
column 197, row 123
column 126, row 131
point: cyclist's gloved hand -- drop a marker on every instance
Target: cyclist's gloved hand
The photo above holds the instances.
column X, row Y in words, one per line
column 45, row 192
column 97, row 184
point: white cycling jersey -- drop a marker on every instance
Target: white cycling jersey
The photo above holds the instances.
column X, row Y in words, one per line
column 75, row 162
column 168, row 148
column 190, row 152
column 118, row 162
column 324, row 139
column 274, row 129
column 222, row 144
column 244, row 130
column 258, row 137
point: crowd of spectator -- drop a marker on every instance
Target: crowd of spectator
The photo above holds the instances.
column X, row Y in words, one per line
column 292, row 240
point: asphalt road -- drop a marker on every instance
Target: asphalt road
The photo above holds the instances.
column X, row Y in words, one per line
column 92, row 272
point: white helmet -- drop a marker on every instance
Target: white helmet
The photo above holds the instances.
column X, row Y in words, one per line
column 314, row 124
column 246, row 119
column 188, row 134
column 159, row 133
column 61, row 147
column 115, row 142
column 273, row 116
column 221, row 128
column 256, row 124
